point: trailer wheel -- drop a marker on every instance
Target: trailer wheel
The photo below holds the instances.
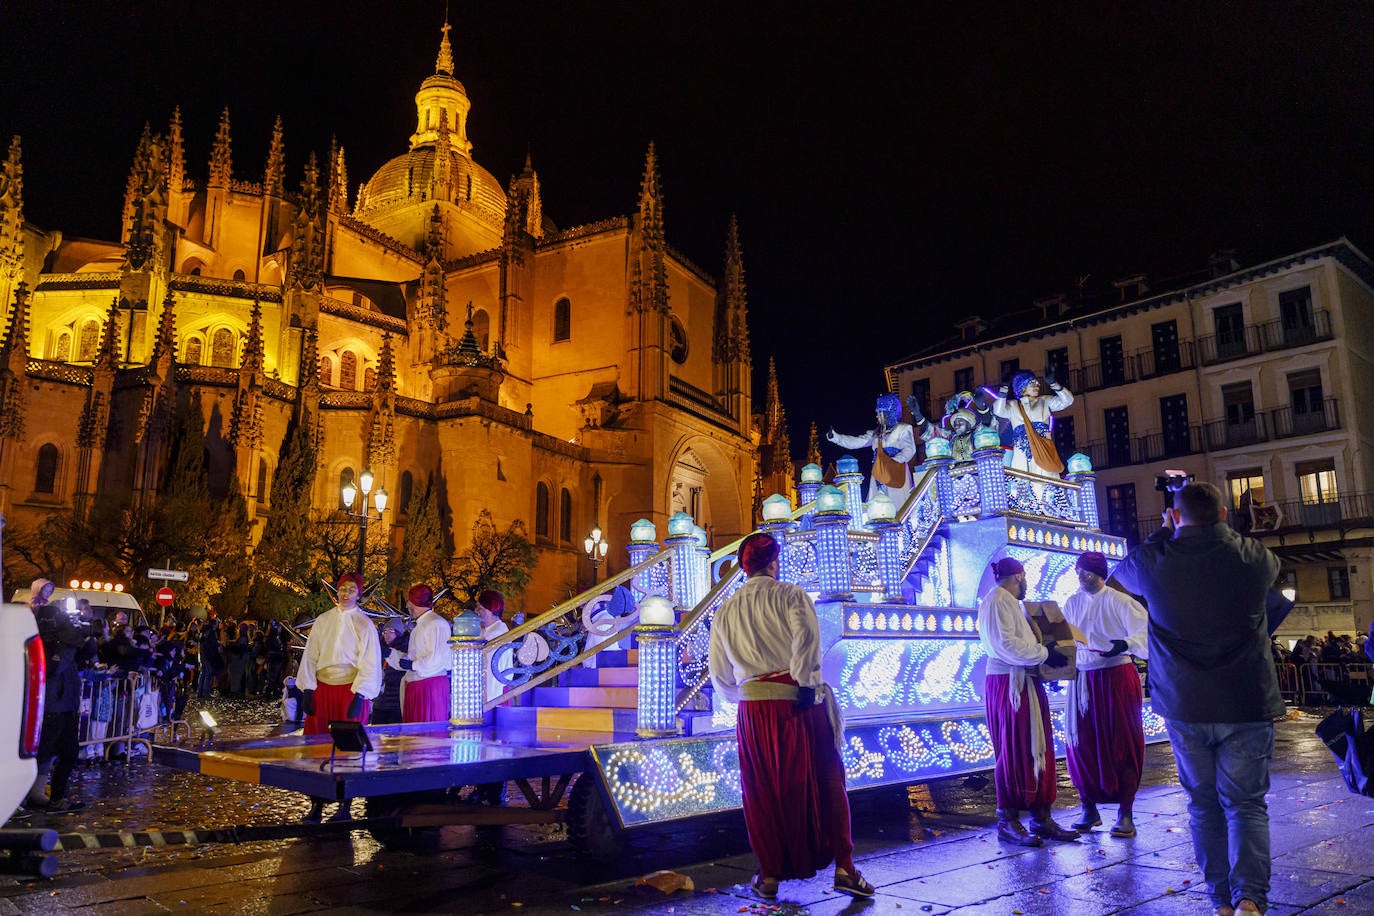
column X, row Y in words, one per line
column 401, row 838
column 591, row 830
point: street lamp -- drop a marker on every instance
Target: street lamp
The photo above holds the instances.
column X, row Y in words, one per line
column 595, row 547
column 352, row 493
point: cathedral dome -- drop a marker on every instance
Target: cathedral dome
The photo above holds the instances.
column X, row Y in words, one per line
column 421, row 176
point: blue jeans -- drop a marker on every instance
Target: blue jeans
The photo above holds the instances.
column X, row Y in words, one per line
column 1224, row 766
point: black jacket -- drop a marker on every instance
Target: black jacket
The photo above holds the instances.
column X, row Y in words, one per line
column 1206, row 589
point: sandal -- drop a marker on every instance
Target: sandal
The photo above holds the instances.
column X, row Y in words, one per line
column 855, row 885
column 766, row 888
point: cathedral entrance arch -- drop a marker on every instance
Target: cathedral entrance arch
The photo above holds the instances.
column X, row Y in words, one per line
column 704, row 484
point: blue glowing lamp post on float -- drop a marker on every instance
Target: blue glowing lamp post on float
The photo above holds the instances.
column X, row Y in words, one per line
column 881, row 521
column 468, row 687
column 939, row 457
column 832, row 544
column 656, row 638
column 777, row 521
column 643, row 544
column 848, row 479
column 992, row 472
column 811, row 479
column 1080, row 471
column 682, row 541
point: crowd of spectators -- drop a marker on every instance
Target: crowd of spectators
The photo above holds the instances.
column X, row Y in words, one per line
column 1333, row 650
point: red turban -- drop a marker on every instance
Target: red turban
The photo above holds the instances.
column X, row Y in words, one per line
column 1007, row 566
column 492, row 601
column 757, row 551
column 355, row 578
column 420, row 596
column 1093, row 562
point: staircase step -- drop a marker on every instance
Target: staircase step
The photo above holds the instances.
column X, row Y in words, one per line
column 587, row 720
column 617, row 658
column 600, row 676
column 586, row 697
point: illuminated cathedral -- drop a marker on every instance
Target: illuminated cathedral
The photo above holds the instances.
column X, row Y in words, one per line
column 434, row 322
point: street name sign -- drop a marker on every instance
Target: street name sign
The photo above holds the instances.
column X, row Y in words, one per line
column 170, row 575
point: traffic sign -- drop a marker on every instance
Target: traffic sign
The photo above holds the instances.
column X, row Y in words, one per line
column 165, row 596
column 170, row 575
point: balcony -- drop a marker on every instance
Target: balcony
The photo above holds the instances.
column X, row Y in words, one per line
column 1146, row 449
column 1152, row 363
column 1269, row 337
column 1221, row 434
column 1345, row 511
column 1284, row 334
column 1092, row 376
column 1289, row 422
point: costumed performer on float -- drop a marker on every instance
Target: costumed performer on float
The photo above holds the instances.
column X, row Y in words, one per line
column 340, row 671
column 490, row 606
column 963, row 412
column 425, row 691
column 766, row 655
column 1105, row 738
column 1029, row 412
column 897, row 443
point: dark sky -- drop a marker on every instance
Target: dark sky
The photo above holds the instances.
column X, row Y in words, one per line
column 893, row 166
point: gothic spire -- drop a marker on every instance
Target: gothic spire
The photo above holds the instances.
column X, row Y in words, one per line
column 386, row 367
column 176, row 153
column 736, row 297
column 813, row 446
column 253, row 346
column 108, row 354
column 274, row 174
column 651, row 198
column 166, row 341
column 772, row 404
column 650, row 278
column 14, row 360
column 221, row 161
column 16, row 339
column 444, row 65
column 338, row 179
column 12, row 211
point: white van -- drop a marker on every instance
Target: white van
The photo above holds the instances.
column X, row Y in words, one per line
column 105, row 602
column 21, row 704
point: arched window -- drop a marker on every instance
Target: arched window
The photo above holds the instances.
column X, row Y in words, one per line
column 240, row 275
column 222, row 347
column 565, row 517
column 348, row 371
column 369, row 378
column 541, row 511
column 90, row 342
column 345, row 478
column 262, row 480
column 677, row 342
column 481, row 329
column 562, row 320
column 45, row 480
column 406, row 489
column 195, row 271
column 193, row 348
column 326, row 371
column 63, row 351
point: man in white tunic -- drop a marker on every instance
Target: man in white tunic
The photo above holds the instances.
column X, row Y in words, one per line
column 1106, row 738
column 490, row 606
column 427, row 661
column 1021, row 404
column 1018, row 713
column 894, row 438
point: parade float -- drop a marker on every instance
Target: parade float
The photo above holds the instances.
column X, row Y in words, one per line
column 611, row 688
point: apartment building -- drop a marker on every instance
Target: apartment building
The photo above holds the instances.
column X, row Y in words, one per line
column 1259, row 380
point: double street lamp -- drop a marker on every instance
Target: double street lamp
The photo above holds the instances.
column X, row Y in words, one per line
column 596, row 548
column 360, row 493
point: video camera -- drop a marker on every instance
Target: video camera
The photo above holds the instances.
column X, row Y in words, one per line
column 1170, row 482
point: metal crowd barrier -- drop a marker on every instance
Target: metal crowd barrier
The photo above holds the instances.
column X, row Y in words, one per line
column 1326, row 683
column 123, row 711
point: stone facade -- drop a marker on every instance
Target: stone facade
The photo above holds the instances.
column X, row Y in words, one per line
column 442, row 323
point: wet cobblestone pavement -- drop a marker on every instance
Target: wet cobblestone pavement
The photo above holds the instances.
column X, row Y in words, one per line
column 929, row 850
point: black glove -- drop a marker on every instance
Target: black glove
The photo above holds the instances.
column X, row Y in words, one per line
column 355, row 707
column 830, row 435
column 308, row 702
column 1054, row 658
column 1118, row 646
column 914, row 406
column 1049, row 379
column 407, row 664
column 806, row 698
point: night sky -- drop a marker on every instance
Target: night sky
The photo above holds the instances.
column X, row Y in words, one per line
column 893, row 167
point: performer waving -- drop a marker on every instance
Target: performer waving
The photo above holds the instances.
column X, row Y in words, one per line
column 895, row 441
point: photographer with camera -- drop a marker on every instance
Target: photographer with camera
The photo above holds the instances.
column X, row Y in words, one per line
column 58, row 747
column 1018, row 713
column 1212, row 679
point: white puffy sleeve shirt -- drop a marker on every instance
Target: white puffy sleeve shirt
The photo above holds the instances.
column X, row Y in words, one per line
column 342, row 648
column 1004, row 631
column 1108, row 615
column 766, row 626
column 429, row 653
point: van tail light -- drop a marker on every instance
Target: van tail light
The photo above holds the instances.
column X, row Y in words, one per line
column 35, row 679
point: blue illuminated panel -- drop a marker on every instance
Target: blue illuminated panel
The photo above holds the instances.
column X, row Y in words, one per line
column 649, row 782
column 904, row 620
column 1052, row 537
